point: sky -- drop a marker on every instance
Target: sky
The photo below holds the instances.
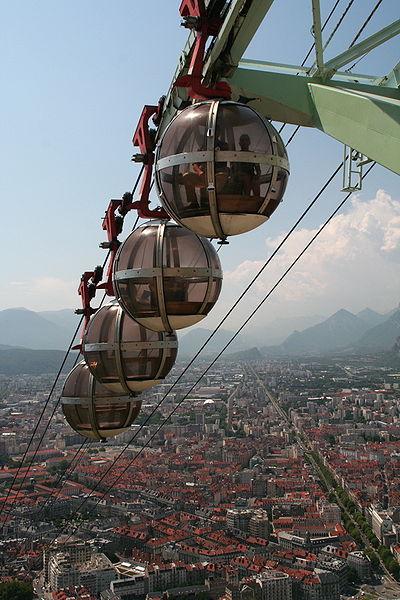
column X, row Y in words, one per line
column 75, row 76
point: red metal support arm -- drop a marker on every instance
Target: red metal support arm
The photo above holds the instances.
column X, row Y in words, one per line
column 143, row 138
column 195, row 17
column 87, row 291
column 113, row 223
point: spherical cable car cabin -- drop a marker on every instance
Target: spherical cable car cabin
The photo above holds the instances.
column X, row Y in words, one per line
column 166, row 277
column 92, row 410
column 221, row 169
column 124, row 356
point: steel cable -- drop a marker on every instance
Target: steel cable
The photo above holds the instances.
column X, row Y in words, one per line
column 255, row 310
column 56, row 405
column 39, row 421
column 254, row 279
column 367, row 20
column 49, row 397
column 313, row 45
column 69, row 472
column 62, row 477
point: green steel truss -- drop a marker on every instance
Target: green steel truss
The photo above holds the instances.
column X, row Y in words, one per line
column 361, row 111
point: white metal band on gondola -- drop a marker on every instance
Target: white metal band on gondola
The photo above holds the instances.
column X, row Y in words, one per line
column 124, row 356
column 167, row 272
column 92, row 410
column 222, row 156
column 210, row 185
column 181, row 285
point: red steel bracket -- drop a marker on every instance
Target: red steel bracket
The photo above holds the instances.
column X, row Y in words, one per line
column 112, row 223
column 144, row 140
column 87, row 291
column 194, row 13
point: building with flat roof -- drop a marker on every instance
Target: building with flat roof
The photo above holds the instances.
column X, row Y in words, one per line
column 274, row 585
column 96, row 574
column 361, row 563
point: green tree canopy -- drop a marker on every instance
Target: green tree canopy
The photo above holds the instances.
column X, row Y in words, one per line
column 16, row 590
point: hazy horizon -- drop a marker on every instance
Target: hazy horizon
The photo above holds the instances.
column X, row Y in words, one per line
column 352, row 265
column 70, row 147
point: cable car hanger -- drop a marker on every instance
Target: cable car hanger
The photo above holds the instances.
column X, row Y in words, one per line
column 194, row 16
column 91, row 281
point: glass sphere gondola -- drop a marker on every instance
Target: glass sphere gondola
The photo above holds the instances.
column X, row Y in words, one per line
column 92, row 410
column 221, row 169
column 124, row 356
column 166, row 277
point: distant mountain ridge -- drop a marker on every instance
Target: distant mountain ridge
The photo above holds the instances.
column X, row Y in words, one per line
column 366, row 331
column 24, row 361
column 371, row 317
column 343, row 331
column 383, row 336
column 339, row 330
column 65, row 318
column 22, row 327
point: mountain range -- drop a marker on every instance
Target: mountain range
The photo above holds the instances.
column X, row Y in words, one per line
column 49, row 330
column 367, row 331
column 27, row 338
column 342, row 331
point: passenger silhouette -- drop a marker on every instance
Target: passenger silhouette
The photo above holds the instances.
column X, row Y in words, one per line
column 246, row 175
column 197, row 176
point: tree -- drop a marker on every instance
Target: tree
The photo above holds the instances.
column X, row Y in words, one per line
column 373, row 557
column 59, row 468
column 352, row 576
column 16, row 590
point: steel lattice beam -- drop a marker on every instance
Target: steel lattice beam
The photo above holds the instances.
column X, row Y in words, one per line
column 373, row 41
column 362, row 111
column 364, row 116
column 238, row 29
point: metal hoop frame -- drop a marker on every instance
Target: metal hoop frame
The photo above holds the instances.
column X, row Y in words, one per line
column 166, row 342
column 159, row 272
column 211, row 155
column 91, row 401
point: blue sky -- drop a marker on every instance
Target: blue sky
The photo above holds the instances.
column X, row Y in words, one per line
column 75, row 76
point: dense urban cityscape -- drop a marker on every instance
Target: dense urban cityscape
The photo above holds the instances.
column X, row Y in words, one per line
column 276, row 479
column 200, row 325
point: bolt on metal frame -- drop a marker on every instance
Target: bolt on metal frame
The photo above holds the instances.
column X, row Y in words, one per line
column 212, row 155
column 159, row 272
column 95, row 397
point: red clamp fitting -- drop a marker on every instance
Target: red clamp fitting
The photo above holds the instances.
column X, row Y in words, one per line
column 195, row 17
column 87, row 291
column 144, row 140
column 112, row 223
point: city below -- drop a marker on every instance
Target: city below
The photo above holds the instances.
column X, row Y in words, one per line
column 274, row 478
column 200, row 321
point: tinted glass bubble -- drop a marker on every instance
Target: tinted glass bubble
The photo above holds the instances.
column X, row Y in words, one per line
column 166, row 277
column 93, row 410
column 123, row 355
column 221, row 168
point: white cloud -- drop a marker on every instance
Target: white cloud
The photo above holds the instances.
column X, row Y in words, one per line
column 352, row 264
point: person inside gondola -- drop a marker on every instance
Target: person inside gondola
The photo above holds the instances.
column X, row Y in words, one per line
column 197, row 176
column 246, row 175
